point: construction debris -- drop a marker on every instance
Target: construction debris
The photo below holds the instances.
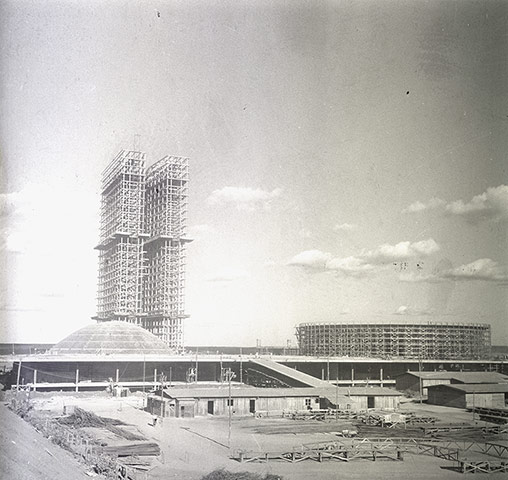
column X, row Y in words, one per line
column 131, row 449
column 81, row 418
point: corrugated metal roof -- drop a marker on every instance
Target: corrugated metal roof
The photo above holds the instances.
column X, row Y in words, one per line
column 238, row 392
column 475, row 388
column 466, row 377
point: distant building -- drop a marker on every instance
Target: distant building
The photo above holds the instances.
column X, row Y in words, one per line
column 142, row 244
column 441, row 341
column 410, row 381
column 469, row 396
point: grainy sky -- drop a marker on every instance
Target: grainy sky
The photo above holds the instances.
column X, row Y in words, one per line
column 348, row 159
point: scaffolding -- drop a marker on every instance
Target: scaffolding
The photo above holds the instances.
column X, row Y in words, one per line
column 444, row 341
column 142, row 244
column 166, row 217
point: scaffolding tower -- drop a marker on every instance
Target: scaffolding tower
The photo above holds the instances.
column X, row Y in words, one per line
column 142, row 244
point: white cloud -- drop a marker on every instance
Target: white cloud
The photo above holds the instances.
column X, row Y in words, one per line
column 345, row 227
column 244, row 198
column 401, row 251
column 483, row 269
column 405, row 310
column 228, row 274
column 313, row 259
column 350, row 266
column 420, row 206
column 491, row 204
column 368, row 261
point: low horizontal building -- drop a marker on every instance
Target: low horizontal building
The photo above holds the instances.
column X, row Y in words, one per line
column 245, row 400
column 372, row 397
column 469, row 395
column 186, row 402
column 410, row 381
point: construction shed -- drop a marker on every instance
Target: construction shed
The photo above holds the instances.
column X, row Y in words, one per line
column 372, row 397
column 493, row 395
column 185, row 402
column 410, row 381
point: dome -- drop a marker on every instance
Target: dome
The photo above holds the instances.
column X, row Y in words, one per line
column 111, row 337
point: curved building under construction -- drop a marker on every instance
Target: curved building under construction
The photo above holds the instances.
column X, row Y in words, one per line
column 442, row 341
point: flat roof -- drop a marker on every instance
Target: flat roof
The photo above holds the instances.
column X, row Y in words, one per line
column 104, row 358
column 466, row 377
column 246, row 391
column 240, row 392
column 475, row 387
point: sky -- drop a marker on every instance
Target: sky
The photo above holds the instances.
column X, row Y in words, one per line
column 348, row 159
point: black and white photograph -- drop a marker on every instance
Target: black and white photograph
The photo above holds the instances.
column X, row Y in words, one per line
column 253, row 239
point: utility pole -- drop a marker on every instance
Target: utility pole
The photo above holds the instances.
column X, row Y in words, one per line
column 196, row 364
column 230, row 375
column 337, row 399
column 163, row 379
column 420, row 377
column 241, row 366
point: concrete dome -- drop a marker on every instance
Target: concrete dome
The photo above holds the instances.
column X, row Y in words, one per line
column 109, row 338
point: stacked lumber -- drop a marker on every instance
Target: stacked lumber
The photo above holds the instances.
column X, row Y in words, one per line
column 81, row 418
column 133, row 449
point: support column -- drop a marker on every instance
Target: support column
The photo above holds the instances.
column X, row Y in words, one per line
column 381, row 376
column 19, row 373
column 117, row 375
column 77, row 378
column 35, row 380
column 352, row 377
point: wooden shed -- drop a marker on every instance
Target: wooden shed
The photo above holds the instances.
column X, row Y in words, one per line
column 410, row 381
column 179, row 402
column 469, row 395
column 372, row 397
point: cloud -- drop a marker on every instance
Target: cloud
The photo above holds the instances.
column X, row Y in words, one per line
column 490, row 205
column 368, row 261
column 418, row 206
column 405, row 310
column 244, row 198
column 350, row 266
column 483, row 269
column 228, row 274
column 312, row 259
column 345, row 227
column 401, row 251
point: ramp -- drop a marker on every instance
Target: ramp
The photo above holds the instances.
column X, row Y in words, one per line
column 288, row 375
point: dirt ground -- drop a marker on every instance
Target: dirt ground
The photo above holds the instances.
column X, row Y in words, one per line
column 26, row 455
column 193, row 447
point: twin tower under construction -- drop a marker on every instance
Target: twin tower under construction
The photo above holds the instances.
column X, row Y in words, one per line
column 142, row 244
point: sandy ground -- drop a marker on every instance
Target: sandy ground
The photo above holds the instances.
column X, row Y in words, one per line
column 26, row 455
column 194, row 447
